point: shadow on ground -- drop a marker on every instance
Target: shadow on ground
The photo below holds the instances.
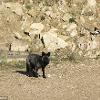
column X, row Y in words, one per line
column 22, row 72
column 26, row 73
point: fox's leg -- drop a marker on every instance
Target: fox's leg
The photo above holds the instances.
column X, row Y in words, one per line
column 36, row 72
column 43, row 70
column 30, row 72
column 27, row 67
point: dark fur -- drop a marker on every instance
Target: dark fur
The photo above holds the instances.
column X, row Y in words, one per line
column 35, row 61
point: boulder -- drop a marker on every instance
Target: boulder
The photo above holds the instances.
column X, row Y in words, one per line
column 89, row 8
column 35, row 29
column 72, row 29
column 52, row 41
column 82, row 43
column 89, row 48
column 91, row 3
column 26, row 21
column 95, row 44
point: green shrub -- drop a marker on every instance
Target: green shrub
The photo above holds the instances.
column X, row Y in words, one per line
column 71, row 20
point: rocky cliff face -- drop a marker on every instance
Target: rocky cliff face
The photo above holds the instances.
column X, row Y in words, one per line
column 51, row 25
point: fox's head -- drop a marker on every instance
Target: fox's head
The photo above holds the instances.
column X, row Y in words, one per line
column 45, row 58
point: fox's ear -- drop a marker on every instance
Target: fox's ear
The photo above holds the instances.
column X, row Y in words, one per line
column 43, row 53
column 48, row 54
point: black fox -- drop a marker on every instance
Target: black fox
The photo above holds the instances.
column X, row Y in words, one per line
column 35, row 61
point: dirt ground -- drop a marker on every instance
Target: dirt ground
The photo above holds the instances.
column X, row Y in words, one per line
column 65, row 81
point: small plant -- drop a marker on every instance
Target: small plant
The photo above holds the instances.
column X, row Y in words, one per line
column 3, row 60
column 17, row 64
column 53, row 57
column 20, row 65
column 28, row 6
column 3, row 64
column 71, row 20
column 71, row 57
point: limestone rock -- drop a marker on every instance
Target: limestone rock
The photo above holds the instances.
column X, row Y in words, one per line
column 36, row 28
column 90, row 8
column 72, row 29
column 92, row 3
column 52, row 41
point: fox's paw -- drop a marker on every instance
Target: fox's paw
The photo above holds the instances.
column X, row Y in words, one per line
column 44, row 76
